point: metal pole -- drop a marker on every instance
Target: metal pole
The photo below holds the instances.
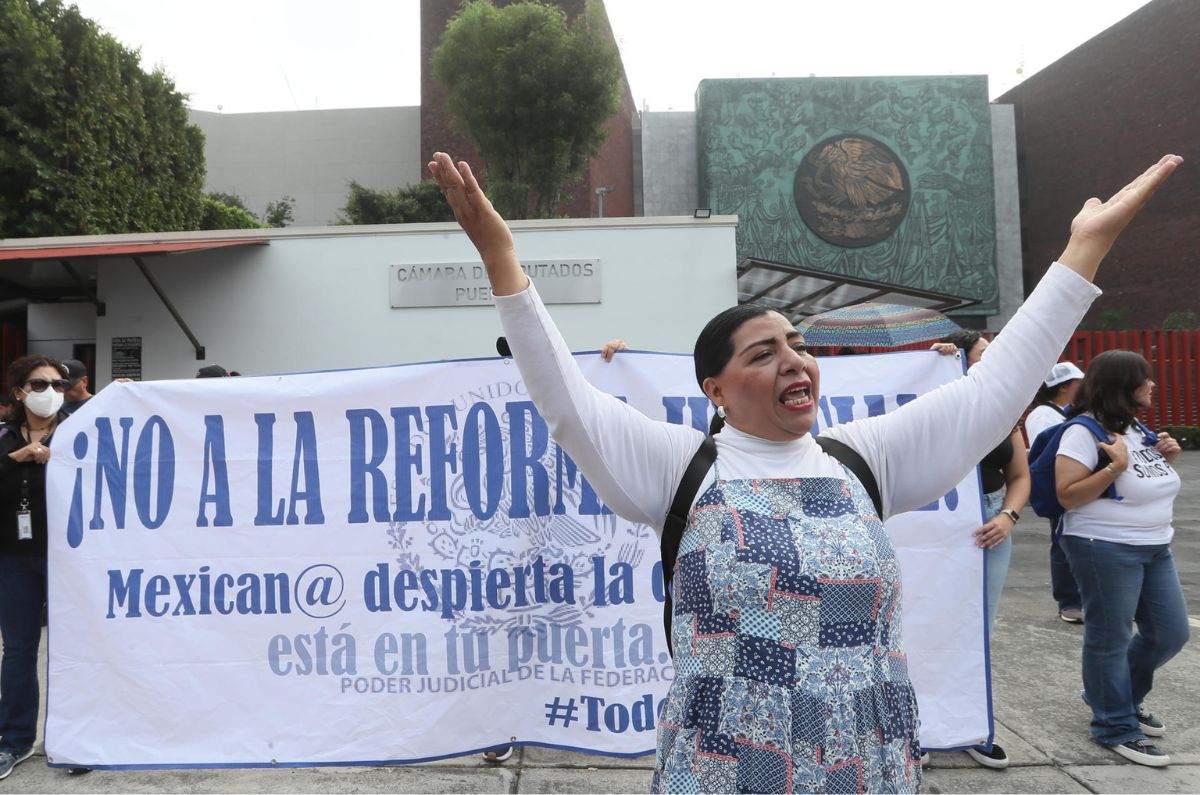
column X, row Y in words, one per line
column 170, row 307
column 84, row 286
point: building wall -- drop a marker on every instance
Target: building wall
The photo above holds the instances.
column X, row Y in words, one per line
column 320, row 300
column 612, row 167
column 1009, row 278
column 1089, row 123
column 55, row 329
column 753, row 136
column 311, row 155
column 669, row 183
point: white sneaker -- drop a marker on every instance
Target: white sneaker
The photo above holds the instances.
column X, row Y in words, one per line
column 1143, row 752
column 995, row 758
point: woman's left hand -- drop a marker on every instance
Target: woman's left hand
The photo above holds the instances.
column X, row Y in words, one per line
column 944, row 348
column 994, row 532
column 1169, row 448
column 1096, row 227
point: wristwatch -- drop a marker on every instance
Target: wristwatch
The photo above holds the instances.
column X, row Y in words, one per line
column 1011, row 514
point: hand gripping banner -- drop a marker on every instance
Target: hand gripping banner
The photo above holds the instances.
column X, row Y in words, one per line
column 398, row 564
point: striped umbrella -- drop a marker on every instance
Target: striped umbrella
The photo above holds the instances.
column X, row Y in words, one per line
column 875, row 324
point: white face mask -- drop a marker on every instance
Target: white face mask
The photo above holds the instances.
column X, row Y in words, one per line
column 46, row 403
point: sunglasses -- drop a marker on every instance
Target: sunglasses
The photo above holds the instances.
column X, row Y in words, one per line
column 40, row 385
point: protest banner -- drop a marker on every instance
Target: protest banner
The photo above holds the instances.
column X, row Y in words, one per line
column 398, row 564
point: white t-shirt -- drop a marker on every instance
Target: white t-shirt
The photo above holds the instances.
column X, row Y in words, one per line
column 916, row 453
column 1147, row 489
column 1038, row 420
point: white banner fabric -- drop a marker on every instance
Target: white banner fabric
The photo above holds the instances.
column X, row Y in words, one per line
column 396, row 564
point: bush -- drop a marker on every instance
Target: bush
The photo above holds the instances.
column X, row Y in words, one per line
column 1181, row 320
column 218, row 215
column 421, row 203
column 279, row 213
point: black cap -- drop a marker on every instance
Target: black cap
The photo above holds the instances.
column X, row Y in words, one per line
column 502, row 347
column 75, row 369
column 211, row 371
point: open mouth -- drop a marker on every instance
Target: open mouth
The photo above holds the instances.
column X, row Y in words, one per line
column 797, row 397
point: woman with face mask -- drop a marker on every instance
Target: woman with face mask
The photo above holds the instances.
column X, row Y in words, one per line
column 790, row 670
column 36, row 385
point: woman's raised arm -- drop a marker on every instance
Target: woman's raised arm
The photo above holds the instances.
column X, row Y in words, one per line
column 632, row 461
column 483, row 225
column 919, row 451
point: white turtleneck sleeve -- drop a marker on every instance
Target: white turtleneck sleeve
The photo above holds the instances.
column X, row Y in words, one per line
column 919, row 451
column 634, row 463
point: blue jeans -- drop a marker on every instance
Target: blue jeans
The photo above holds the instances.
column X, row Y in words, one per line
column 1062, row 581
column 997, row 557
column 22, row 599
column 1121, row 583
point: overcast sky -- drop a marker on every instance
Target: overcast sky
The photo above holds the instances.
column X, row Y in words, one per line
column 257, row 55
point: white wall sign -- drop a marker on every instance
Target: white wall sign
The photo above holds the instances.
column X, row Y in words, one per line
column 559, row 281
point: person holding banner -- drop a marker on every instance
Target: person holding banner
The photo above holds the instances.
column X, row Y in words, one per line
column 1004, row 475
column 790, row 670
column 1120, row 551
column 37, row 384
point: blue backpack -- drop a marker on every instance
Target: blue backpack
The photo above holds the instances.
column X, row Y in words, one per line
column 1043, row 493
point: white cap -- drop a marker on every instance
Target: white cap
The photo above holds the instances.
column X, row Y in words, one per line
column 1063, row 372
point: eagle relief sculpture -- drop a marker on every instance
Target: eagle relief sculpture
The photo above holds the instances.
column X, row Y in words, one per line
column 852, row 190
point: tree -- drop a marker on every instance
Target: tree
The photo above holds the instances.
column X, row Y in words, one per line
column 533, row 92
column 416, row 204
column 89, row 142
column 279, row 213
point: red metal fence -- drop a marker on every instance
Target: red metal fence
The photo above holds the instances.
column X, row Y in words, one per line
column 1174, row 358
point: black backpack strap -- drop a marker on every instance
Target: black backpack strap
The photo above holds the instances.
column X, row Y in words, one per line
column 848, row 457
column 677, row 517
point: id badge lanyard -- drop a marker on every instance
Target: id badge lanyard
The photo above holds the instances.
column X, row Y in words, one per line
column 24, row 517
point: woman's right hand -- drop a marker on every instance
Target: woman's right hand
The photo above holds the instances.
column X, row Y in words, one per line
column 472, row 209
column 34, row 451
column 1117, row 452
column 611, row 347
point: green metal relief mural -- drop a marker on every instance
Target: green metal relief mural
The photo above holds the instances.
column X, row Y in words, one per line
column 884, row 178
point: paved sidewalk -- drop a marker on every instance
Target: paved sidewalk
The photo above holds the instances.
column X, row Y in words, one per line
column 1040, row 718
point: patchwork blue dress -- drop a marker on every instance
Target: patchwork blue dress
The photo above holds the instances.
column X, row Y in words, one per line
column 786, row 634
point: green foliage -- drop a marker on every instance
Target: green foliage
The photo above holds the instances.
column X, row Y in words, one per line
column 1111, row 319
column 89, row 143
column 416, row 204
column 533, row 92
column 279, row 213
column 1181, row 320
column 231, row 199
column 218, row 215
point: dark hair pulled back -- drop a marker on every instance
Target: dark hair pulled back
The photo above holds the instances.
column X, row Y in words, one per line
column 714, row 346
column 964, row 338
column 1108, row 387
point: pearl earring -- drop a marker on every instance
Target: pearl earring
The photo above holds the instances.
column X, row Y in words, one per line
column 721, row 412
